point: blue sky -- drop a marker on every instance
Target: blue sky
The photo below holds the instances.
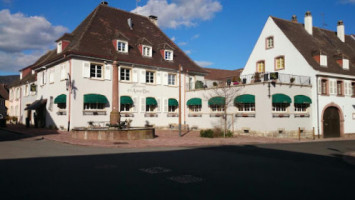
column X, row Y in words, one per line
column 214, row 33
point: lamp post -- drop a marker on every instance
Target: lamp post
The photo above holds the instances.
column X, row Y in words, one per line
column 180, row 69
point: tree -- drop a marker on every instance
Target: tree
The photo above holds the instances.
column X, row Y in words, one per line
column 226, row 98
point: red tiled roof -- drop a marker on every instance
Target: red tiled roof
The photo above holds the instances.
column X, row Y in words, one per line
column 322, row 40
column 94, row 36
column 222, row 74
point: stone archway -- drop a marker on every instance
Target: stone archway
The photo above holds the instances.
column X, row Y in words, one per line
column 332, row 121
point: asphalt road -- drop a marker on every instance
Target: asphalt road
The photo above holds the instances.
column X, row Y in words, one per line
column 39, row 169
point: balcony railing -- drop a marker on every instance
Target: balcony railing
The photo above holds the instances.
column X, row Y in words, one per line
column 276, row 77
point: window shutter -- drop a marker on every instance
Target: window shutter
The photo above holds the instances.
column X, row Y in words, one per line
column 319, row 86
column 331, row 87
column 159, row 78
column 44, row 77
column 142, row 104
column 159, row 104
column 142, row 76
column 177, row 79
column 108, row 72
column 135, row 104
column 135, row 75
column 62, row 72
column 166, row 104
column 334, row 87
column 51, row 76
column 86, row 69
column 165, row 78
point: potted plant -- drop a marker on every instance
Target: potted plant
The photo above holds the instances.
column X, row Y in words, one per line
column 292, row 79
column 257, row 77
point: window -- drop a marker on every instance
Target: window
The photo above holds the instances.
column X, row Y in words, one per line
column 301, row 107
column 150, row 108
column 122, row 46
column 324, row 84
column 172, row 108
column 353, row 89
column 279, row 107
column 59, row 47
column 168, row 55
column 147, row 51
column 217, row 108
column 195, row 108
column 51, row 76
column 125, row 107
column 260, row 66
column 339, row 88
column 125, row 74
column 25, row 92
column 171, row 79
column 95, row 71
column 269, row 42
column 280, row 63
column 149, row 77
column 323, row 60
column 93, row 106
column 62, row 105
column 246, row 107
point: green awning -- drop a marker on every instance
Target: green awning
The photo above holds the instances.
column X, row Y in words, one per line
column 246, row 98
column 61, row 99
column 173, row 102
column 281, row 98
column 219, row 101
column 302, row 99
column 95, row 98
column 126, row 100
column 150, row 101
column 194, row 102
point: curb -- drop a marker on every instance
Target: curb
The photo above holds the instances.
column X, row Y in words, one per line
column 12, row 131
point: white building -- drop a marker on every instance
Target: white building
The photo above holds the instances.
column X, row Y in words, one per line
column 328, row 57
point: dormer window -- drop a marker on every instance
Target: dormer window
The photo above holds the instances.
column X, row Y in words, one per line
column 168, row 55
column 59, row 47
column 270, row 42
column 345, row 63
column 147, row 51
column 323, row 60
column 122, row 46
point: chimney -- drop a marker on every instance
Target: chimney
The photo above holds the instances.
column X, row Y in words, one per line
column 294, row 19
column 308, row 22
column 154, row 19
column 341, row 30
column 104, row 3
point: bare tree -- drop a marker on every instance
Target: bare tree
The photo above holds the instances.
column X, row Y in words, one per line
column 228, row 94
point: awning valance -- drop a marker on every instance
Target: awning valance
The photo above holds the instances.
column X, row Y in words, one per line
column 302, row 99
column 36, row 104
column 173, row 102
column 281, row 98
column 219, row 101
column 150, row 101
column 60, row 99
column 194, row 102
column 126, row 100
column 246, row 98
column 95, row 98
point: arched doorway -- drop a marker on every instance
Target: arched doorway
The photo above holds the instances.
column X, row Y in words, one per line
column 331, row 122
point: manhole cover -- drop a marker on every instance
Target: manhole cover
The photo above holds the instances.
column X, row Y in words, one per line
column 155, row 170
column 185, row 179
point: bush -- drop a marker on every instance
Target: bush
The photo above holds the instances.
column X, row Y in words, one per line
column 206, row 133
column 199, row 85
column 215, row 133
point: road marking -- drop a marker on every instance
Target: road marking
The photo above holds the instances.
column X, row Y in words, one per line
column 185, row 179
column 155, row 170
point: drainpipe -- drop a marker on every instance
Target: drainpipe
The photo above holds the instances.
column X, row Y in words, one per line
column 185, row 96
column 70, row 90
column 317, row 106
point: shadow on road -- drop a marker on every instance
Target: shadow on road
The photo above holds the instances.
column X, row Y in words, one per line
column 16, row 132
column 228, row 172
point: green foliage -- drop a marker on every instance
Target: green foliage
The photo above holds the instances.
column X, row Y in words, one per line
column 215, row 133
column 199, row 85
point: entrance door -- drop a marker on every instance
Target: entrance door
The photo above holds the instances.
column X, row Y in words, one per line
column 331, row 122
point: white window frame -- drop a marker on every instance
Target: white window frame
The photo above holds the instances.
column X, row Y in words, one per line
column 94, row 106
column 195, row 108
column 172, row 109
column 125, row 47
column 95, row 76
column 301, row 108
column 345, row 64
column 217, row 108
column 59, row 47
column 147, row 50
column 124, row 76
column 323, row 60
column 168, row 55
column 149, row 77
column 171, row 79
column 280, row 107
column 126, row 108
column 260, row 64
column 150, row 108
column 278, row 64
column 246, row 107
column 270, row 42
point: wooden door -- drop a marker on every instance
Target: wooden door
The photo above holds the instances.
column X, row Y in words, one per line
column 331, row 123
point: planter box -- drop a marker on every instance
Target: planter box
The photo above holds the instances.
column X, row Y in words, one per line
column 94, row 112
column 150, row 115
column 280, row 115
column 127, row 115
column 172, row 115
column 195, row 115
column 302, row 115
column 245, row 115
